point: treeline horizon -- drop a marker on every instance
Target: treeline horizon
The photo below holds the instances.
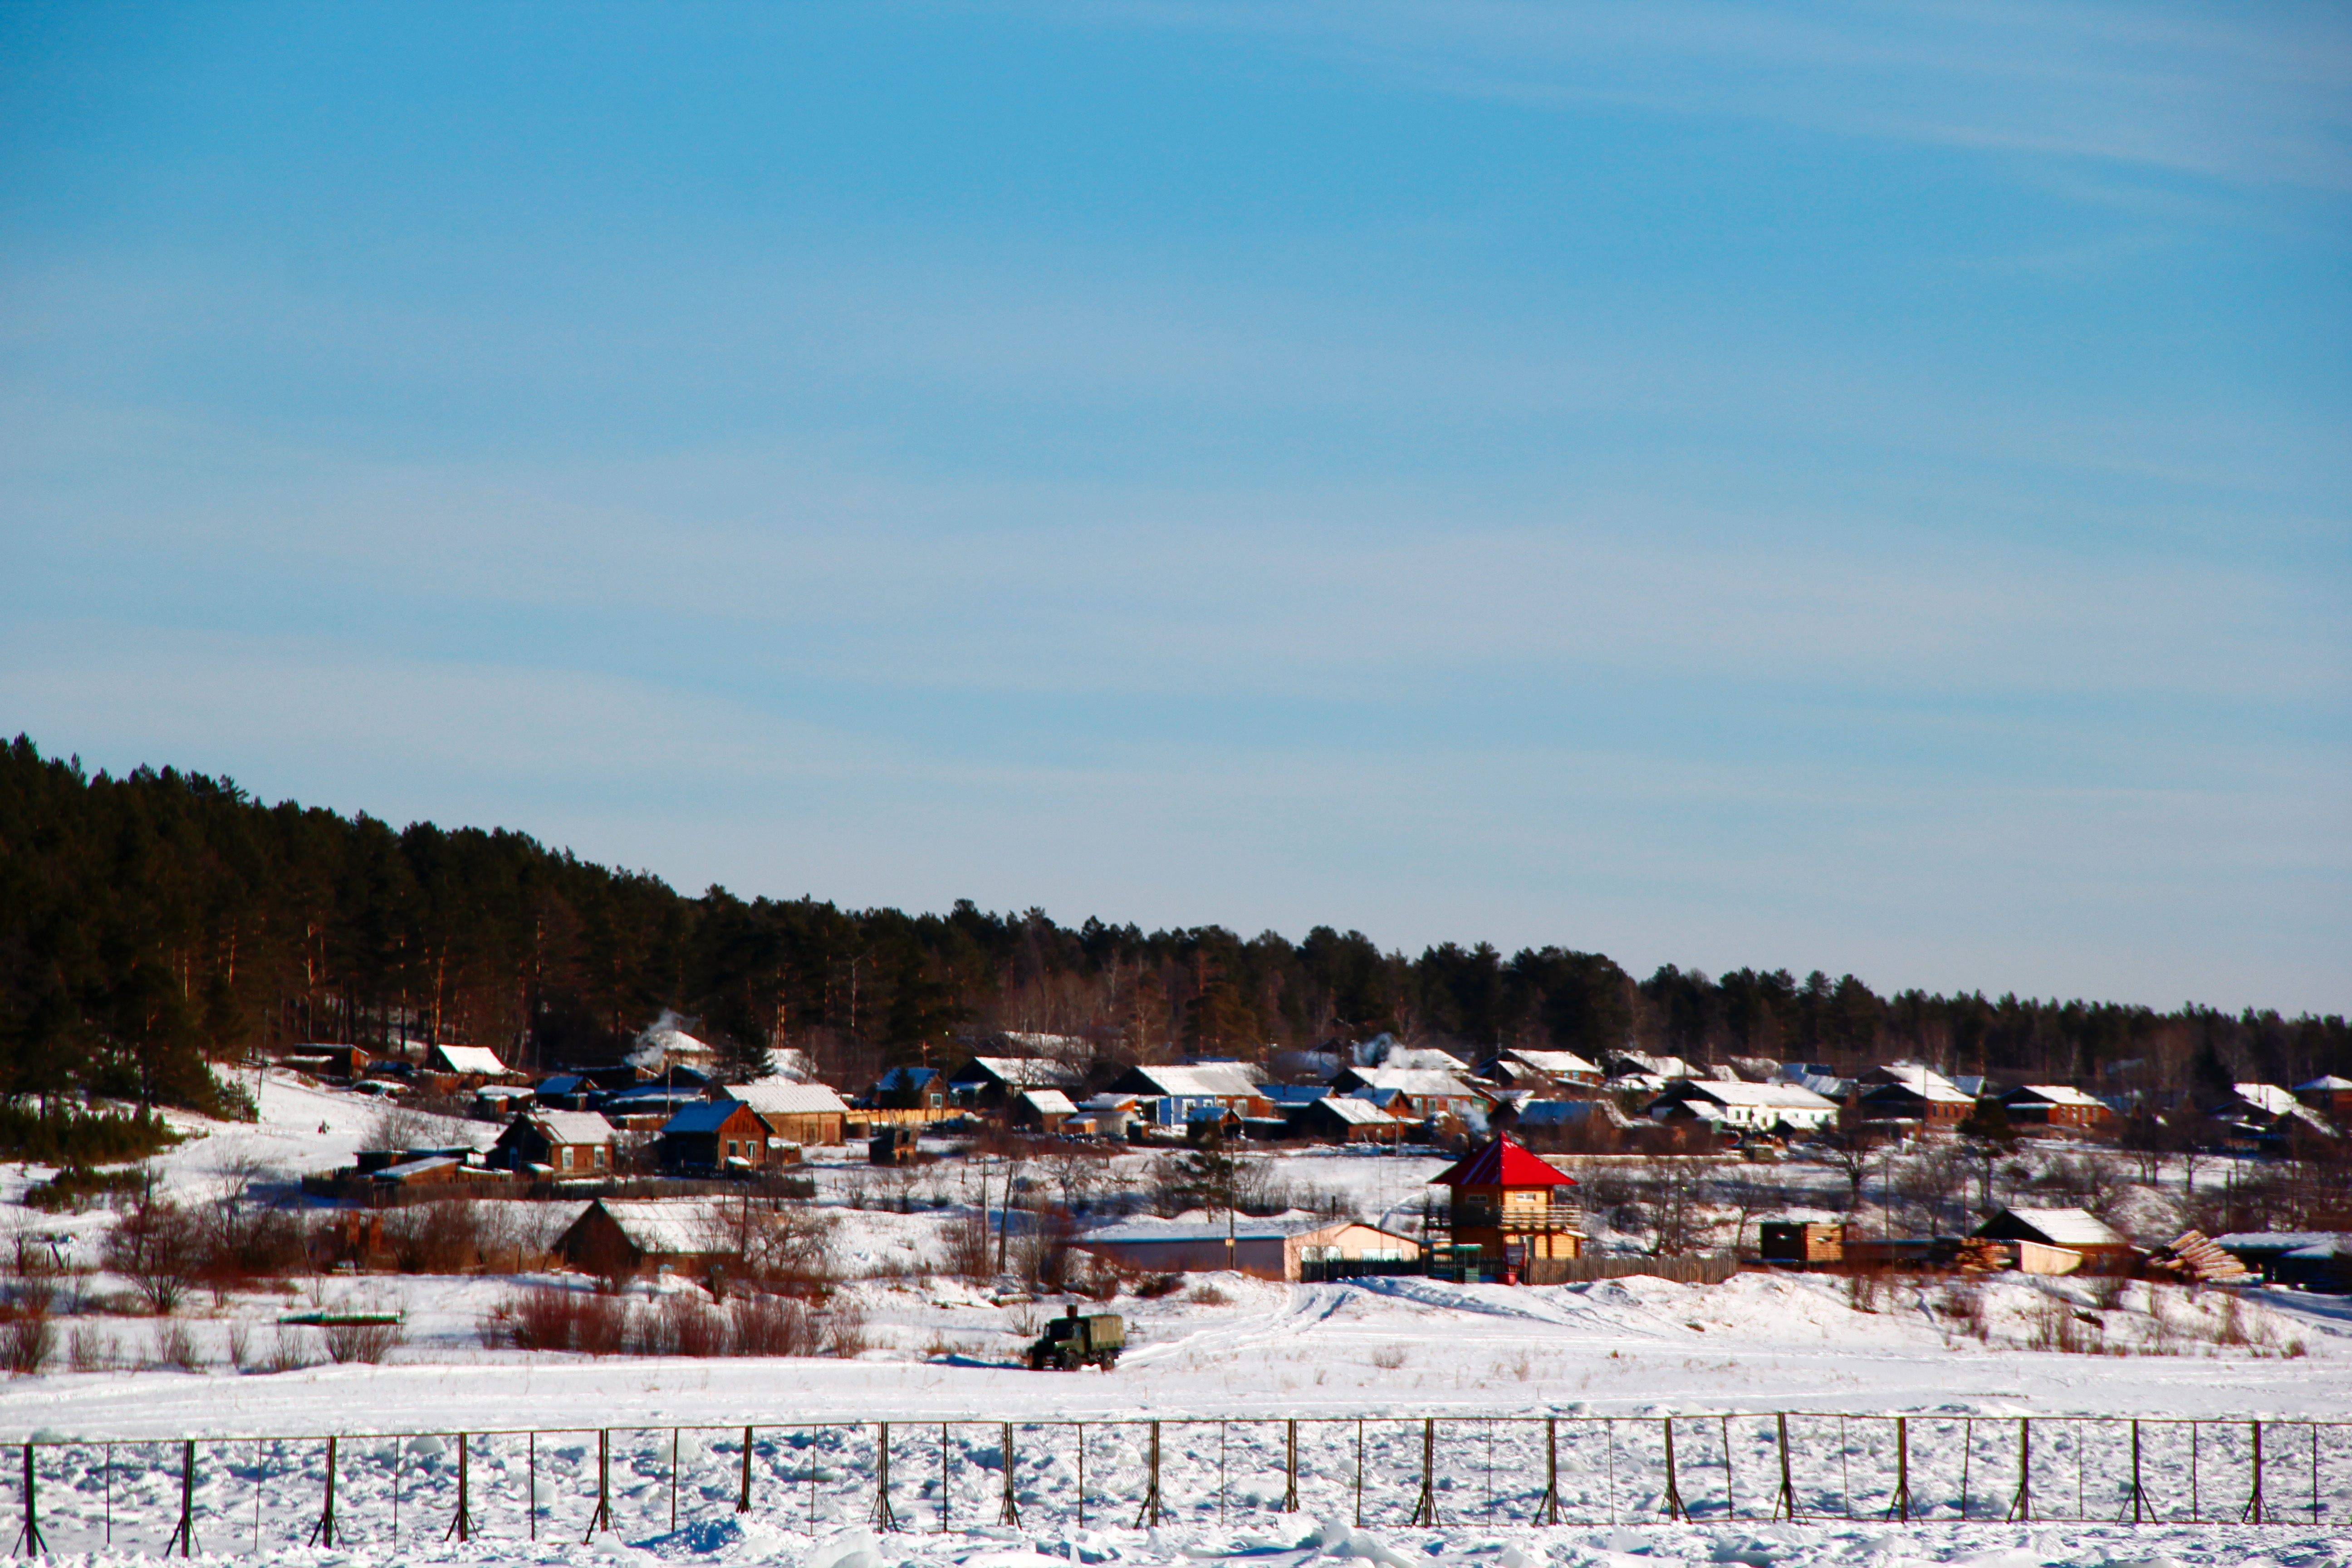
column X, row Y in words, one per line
column 153, row 924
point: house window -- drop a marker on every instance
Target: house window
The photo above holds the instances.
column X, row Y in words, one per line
column 564, row 1158
column 734, row 1148
column 601, row 1154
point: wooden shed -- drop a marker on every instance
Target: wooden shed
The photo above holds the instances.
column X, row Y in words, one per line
column 1804, row 1243
column 615, row 1238
column 1269, row 1248
column 713, row 1136
column 1510, row 1204
column 803, row 1113
column 2104, row 1251
column 1338, row 1120
column 1039, row 1110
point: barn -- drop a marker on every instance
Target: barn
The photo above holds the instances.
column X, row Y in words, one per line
column 2103, row 1250
column 615, row 1238
column 1269, row 1249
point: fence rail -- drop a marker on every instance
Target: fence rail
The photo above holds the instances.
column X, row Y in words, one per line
column 225, row 1495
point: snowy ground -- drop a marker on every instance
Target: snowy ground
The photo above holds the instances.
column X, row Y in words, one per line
column 1490, row 1364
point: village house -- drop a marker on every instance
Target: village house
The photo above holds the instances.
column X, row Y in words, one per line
column 557, row 1143
column 1905, row 1092
column 338, row 1064
column 1183, row 1093
column 1743, row 1107
column 1040, row 1110
column 1536, row 1069
column 464, row 1067
column 2054, row 1105
column 1104, row 1116
column 617, row 1238
column 2102, row 1249
column 1342, row 1119
column 1510, row 1205
column 909, row 1089
column 2330, row 1096
column 711, row 1136
column 805, row 1113
column 1281, row 1249
column 1422, row 1093
column 986, row 1083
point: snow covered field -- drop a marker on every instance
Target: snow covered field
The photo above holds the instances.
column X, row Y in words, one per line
column 1490, row 1364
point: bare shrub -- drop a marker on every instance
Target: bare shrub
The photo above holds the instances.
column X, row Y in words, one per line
column 368, row 1342
column 1964, row 1304
column 602, row 1328
column 1151, row 1287
column 543, row 1317
column 175, row 1346
column 287, row 1353
column 844, row 1333
column 1208, row 1295
column 159, row 1247
column 971, row 1251
column 1388, row 1358
column 89, row 1349
column 766, row 1325
column 240, row 1342
column 27, row 1342
column 442, row 1238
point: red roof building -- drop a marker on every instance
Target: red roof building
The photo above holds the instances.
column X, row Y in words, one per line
column 1511, row 1204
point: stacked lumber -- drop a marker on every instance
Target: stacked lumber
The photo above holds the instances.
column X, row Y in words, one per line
column 1978, row 1255
column 2193, row 1258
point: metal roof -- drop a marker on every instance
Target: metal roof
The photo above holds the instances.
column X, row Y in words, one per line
column 668, row 1225
column 1019, row 1072
column 1048, row 1102
column 571, row 1126
column 470, row 1058
column 1505, row 1161
column 2066, row 1227
column 1761, row 1096
column 2057, row 1094
column 1219, row 1080
column 787, row 1099
column 1557, row 1064
column 1354, row 1111
column 704, row 1116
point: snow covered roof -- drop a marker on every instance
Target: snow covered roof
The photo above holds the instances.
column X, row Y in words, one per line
column 1761, row 1096
column 571, row 1126
column 770, row 1098
column 1554, row 1064
column 1355, row 1112
column 1019, row 1072
column 1224, row 1079
column 1048, row 1102
column 665, row 1225
column 1632, row 1064
column 1925, row 1083
column 468, row 1059
column 2057, row 1094
column 2268, row 1097
column 1505, row 1161
column 1107, row 1102
column 2275, row 1240
column 2328, row 1084
column 1429, row 1058
column 2067, row 1227
column 1245, row 1228
column 1416, row 1080
column 899, row 1080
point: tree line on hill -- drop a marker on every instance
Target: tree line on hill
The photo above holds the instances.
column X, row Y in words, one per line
column 155, row 924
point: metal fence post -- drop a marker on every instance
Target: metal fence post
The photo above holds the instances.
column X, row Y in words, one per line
column 603, row 1517
column 1784, row 1502
column 743, row 1493
column 462, row 1527
column 1730, row 1505
column 1901, row 1507
column 184, row 1535
column 1081, row 1475
column 1290, row 1467
column 1010, row 1512
column 2254, row 1511
column 1359, row 1472
column 1674, row 1509
column 2021, row 1507
column 673, row 1480
column 945, row 1495
column 28, row 1539
column 1424, row 1510
column 885, row 1518
column 323, row 1532
column 530, row 1479
column 1147, row 1516
column 1548, row 1510
column 2139, row 1495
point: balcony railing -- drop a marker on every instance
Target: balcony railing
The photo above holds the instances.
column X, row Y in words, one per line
column 1474, row 1214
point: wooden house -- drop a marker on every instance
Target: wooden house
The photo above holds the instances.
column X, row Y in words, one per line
column 1915, row 1094
column 2103, row 1250
column 1511, row 1204
column 988, row 1082
column 1183, row 1093
column 2330, row 1096
column 2054, row 1105
column 1281, row 1249
column 1422, row 1093
column 712, row 1136
column 465, row 1067
column 566, row 1143
column 803, row 1113
column 909, row 1089
column 1803, row 1244
column 1039, row 1110
column 615, row 1238
column 1346, row 1120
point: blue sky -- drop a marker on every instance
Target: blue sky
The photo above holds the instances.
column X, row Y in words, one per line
column 1841, row 487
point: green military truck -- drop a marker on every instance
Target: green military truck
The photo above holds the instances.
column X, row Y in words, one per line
column 1074, row 1342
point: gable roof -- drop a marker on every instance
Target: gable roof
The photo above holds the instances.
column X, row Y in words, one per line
column 571, row 1126
column 771, row 1099
column 898, row 1080
column 1018, row 1072
column 2060, row 1227
column 2327, row 1084
column 1414, row 1082
column 2268, row 1097
column 1048, row 1102
column 1227, row 1080
column 1553, row 1064
column 704, row 1116
column 1353, row 1112
column 1761, row 1096
column 2056, row 1094
column 469, row 1058
column 1505, row 1161
column 1925, row 1083
column 664, row 1224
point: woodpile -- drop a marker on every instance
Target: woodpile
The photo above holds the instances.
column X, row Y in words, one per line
column 2192, row 1258
column 1980, row 1256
